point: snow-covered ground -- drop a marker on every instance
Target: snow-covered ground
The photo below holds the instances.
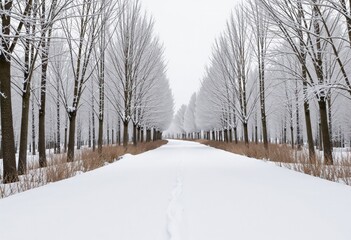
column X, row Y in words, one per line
column 181, row 191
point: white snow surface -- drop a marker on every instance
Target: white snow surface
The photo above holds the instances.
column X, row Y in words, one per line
column 181, row 191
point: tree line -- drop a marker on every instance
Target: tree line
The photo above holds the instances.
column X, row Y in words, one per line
column 82, row 72
column 278, row 67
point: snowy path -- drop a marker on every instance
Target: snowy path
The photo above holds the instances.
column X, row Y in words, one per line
column 181, row 191
column 175, row 208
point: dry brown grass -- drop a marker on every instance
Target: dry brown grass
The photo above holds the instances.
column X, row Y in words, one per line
column 276, row 153
column 297, row 160
column 92, row 160
column 58, row 168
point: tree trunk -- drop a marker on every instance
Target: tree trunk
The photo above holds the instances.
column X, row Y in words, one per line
column 154, row 138
column 246, row 133
column 157, row 135
column 79, row 131
column 8, row 140
column 112, row 136
column 142, row 135
column 58, row 126
column 93, row 129
column 125, row 133
column 306, row 106
column 1, row 156
column 100, row 134
column 42, row 110
column 41, row 136
column 263, row 105
column 235, row 135
column 327, row 147
column 138, row 133
column 89, row 133
column 119, row 131
column 292, row 136
column 226, row 135
column 149, row 135
column 33, row 129
column 101, row 72
column 58, row 115
column 65, row 143
column 108, row 134
column 320, row 143
column 311, row 151
column 298, row 133
column 22, row 160
column 329, row 102
column 135, row 134
column 264, row 132
column 71, row 137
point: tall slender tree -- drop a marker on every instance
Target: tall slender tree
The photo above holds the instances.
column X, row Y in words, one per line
column 86, row 25
column 9, row 41
column 30, row 56
column 260, row 27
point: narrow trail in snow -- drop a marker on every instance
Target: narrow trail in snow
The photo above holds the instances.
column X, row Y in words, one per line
column 175, row 223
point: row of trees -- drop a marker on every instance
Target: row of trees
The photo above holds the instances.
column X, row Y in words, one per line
column 273, row 59
column 83, row 61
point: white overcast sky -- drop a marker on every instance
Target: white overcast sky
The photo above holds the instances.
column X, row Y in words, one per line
column 188, row 29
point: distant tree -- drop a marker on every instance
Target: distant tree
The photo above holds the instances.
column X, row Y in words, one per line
column 190, row 117
column 238, row 37
column 134, row 64
column 208, row 109
column 157, row 109
column 179, row 120
column 58, row 74
column 230, row 83
column 149, row 86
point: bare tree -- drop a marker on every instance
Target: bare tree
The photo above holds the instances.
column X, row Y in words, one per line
column 58, row 69
column 47, row 18
column 131, row 40
column 296, row 39
column 179, row 120
column 93, row 116
column 8, row 43
column 238, row 48
column 101, row 77
column 86, row 26
column 190, row 117
column 33, row 128
column 30, row 56
column 260, row 26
